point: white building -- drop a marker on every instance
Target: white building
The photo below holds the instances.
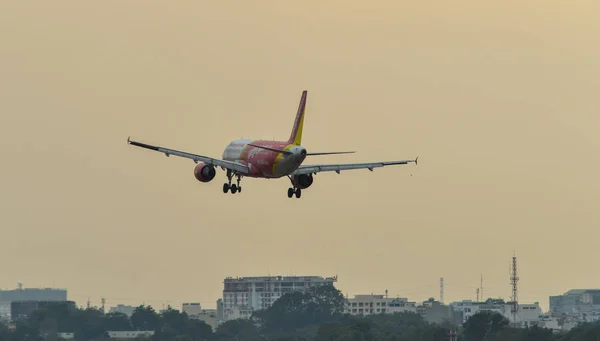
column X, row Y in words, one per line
column 128, row 335
column 378, row 304
column 527, row 314
column 192, row 309
column 123, row 309
column 117, row 335
column 5, row 311
column 238, row 313
column 246, row 294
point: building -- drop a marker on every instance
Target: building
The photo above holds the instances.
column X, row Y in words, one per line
column 527, row 314
column 378, row 304
column 116, row 335
column 242, row 295
column 22, row 309
column 195, row 311
column 436, row 312
column 220, row 313
column 28, row 294
column 129, row 335
column 238, row 313
column 192, row 309
column 5, row 312
column 574, row 302
column 33, row 294
column 123, row 309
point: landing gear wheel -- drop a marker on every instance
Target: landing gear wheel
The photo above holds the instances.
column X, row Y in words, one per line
column 225, row 187
column 239, row 189
column 290, row 192
column 298, row 192
column 233, row 189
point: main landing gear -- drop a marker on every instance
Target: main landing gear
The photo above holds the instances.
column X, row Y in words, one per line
column 234, row 188
column 292, row 191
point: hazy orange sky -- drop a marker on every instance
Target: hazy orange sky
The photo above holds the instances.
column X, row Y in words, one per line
column 499, row 99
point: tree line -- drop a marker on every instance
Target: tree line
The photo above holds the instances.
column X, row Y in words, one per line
column 317, row 315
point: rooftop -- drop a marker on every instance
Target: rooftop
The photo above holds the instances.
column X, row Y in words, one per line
column 581, row 291
column 279, row 278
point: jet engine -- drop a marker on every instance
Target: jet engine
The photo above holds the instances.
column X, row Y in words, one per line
column 302, row 181
column 204, row 172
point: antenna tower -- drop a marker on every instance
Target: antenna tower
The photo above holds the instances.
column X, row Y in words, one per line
column 442, row 290
column 103, row 303
column 88, row 303
column 477, row 294
column 481, row 288
column 513, row 281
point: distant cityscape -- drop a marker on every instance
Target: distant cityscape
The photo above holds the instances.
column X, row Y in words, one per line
column 244, row 295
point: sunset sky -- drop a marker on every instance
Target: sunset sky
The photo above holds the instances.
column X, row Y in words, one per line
column 499, row 99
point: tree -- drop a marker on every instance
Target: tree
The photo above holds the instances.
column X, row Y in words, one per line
column 583, row 332
column 117, row 322
column 238, row 330
column 90, row 325
column 145, row 318
column 199, row 330
column 181, row 338
column 298, row 310
column 55, row 317
column 172, row 324
column 482, row 324
column 536, row 333
column 339, row 332
column 327, row 300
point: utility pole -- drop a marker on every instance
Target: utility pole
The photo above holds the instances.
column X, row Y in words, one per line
column 442, row 290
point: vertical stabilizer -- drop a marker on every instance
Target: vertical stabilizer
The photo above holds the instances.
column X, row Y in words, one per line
column 296, row 136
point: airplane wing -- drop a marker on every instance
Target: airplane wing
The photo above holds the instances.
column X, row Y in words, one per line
column 312, row 169
column 208, row 160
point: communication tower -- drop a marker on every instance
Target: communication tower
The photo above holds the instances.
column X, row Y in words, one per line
column 513, row 281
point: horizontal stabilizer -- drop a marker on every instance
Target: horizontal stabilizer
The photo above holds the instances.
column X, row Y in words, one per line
column 329, row 153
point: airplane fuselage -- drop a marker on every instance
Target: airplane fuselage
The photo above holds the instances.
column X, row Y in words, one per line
column 263, row 163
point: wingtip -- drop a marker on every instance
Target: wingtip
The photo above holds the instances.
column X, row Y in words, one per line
column 128, row 140
column 417, row 161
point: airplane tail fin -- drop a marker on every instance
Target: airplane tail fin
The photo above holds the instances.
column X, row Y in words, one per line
column 296, row 135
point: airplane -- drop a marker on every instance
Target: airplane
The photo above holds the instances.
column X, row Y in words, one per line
column 267, row 160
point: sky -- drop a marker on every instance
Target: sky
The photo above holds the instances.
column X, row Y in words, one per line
column 497, row 98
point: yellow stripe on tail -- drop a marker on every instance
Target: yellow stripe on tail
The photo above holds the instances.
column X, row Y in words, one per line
column 296, row 135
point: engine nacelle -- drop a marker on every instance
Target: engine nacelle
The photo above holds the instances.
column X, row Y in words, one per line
column 302, row 181
column 204, row 172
